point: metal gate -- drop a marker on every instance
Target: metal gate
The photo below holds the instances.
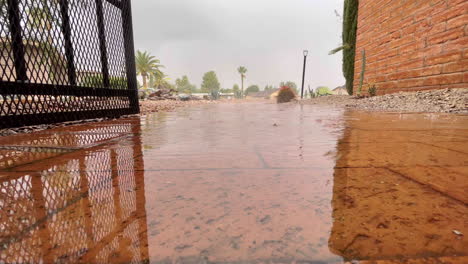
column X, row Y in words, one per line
column 63, row 60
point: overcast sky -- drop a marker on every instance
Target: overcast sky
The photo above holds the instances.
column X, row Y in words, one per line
column 192, row 37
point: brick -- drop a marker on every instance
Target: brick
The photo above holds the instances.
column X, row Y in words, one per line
column 453, row 11
column 455, row 2
column 458, row 66
column 412, row 64
column 413, row 45
column 457, row 44
column 444, row 79
column 445, row 36
column 429, row 30
column 443, row 58
column 411, row 82
column 401, row 41
column 457, row 21
column 429, row 11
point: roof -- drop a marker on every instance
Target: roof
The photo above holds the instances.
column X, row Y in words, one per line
column 340, row 88
column 263, row 93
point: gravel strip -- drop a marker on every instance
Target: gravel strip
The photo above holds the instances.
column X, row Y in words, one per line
column 434, row 101
column 146, row 107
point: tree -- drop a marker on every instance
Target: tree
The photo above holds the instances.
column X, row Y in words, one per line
column 269, row 88
column 323, row 90
column 235, row 88
column 350, row 17
column 226, row 90
column 242, row 71
column 183, row 85
column 147, row 65
column 289, row 84
column 252, row 89
column 210, row 82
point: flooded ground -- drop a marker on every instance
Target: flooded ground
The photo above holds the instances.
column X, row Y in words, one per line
column 239, row 183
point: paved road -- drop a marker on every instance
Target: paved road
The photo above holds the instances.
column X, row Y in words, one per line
column 238, row 183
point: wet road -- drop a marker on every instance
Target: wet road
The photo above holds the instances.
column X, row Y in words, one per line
column 239, row 183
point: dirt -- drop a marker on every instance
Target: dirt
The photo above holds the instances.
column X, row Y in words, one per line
column 434, row 101
column 149, row 106
column 146, row 107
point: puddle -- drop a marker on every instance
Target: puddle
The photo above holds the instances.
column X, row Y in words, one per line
column 244, row 183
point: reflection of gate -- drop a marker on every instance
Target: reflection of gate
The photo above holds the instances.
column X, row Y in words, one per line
column 65, row 60
column 86, row 206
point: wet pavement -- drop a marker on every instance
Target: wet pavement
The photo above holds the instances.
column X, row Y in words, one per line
column 239, row 183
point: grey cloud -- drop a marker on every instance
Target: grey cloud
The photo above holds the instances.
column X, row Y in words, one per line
column 267, row 36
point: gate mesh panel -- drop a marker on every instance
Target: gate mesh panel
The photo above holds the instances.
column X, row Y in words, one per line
column 63, row 60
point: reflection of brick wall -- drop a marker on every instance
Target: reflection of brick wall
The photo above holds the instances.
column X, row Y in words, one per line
column 413, row 45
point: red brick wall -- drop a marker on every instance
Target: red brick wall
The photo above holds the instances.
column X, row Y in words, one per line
column 413, row 44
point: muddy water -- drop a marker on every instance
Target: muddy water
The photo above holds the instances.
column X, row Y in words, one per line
column 239, row 183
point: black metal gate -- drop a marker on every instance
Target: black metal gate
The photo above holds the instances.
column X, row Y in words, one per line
column 63, row 60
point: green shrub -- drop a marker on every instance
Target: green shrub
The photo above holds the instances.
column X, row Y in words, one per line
column 215, row 95
column 372, row 90
column 321, row 91
column 96, row 80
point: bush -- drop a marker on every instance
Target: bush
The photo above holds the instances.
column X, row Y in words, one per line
column 372, row 90
column 321, row 91
column 215, row 95
column 96, row 80
column 285, row 95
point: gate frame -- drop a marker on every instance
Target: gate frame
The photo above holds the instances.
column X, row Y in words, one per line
column 22, row 86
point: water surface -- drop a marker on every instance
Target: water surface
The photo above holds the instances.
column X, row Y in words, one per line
column 239, row 183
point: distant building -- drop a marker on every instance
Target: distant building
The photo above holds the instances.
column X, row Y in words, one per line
column 340, row 90
column 44, row 63
column 267, row 94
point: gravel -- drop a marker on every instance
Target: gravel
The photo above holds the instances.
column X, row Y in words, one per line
column 146, row 107
column 149, row 106
column 434, row 101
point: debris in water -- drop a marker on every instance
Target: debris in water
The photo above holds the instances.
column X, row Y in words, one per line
column 458, row 233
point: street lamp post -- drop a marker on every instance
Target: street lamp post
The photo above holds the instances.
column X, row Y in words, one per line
column 303, row 73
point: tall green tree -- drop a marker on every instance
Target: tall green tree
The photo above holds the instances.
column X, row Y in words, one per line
column 210, row 82
column 147, row 65
column 183, row 85
column 235, row 88
column 242, row 71
column 252, row 89
column 350, row 20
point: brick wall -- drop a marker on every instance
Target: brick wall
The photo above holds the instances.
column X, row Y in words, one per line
column 413, row 44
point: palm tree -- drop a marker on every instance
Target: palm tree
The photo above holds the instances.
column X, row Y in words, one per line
column 3, row 11
column 147, row 65
column 242, row 71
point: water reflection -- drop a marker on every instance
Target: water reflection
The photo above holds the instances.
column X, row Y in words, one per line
column 400, row 187
column 86, row 206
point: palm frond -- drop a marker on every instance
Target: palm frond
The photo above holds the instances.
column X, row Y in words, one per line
column 344, row 47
